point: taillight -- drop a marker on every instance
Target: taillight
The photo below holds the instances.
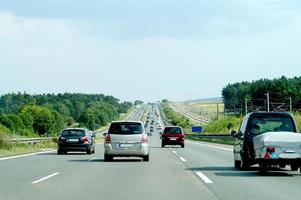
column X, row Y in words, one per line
column 85, row 139
column 270, row 151
column 182, row 137
column 108, row 139
column 144, row 139
column 62, row 138
column 267, row 155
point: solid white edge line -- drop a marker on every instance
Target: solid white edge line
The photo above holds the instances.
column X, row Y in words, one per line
column 183, row 159
column 26, row 155
column 45, row 178
column 203, row 177
column 208, row 145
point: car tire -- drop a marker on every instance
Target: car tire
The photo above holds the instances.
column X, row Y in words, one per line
column 65, row 152
column 107, row 158
column 182, row 145
column 89, row 151
column 294, row 167
column 237, row 164
column 244, row 164
column 146, row 158
column 59, row 152
column 93, row 151
column 162, row 145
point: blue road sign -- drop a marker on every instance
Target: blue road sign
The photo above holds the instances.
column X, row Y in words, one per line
column 198, row 129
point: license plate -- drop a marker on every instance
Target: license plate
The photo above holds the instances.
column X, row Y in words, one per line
column 72, row 140
column 173, row 139
column 289, row 155
column 125, row 145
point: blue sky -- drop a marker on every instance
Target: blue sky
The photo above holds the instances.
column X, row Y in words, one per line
column 146, row 49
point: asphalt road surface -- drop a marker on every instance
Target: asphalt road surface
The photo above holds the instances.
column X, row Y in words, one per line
column 199, row 171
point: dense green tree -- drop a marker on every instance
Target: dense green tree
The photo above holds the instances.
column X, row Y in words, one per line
column 280, row 90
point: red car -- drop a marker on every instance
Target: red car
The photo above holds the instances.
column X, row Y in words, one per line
column 172, row 135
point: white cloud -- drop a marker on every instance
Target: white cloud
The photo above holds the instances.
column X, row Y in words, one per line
column 58, row 55
column 13, row 27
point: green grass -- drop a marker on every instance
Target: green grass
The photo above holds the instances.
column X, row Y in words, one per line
column 213, row 140
column 206, row 110
column 7, row 148
column 298, row 120
column 223, row 125
column 18, row 149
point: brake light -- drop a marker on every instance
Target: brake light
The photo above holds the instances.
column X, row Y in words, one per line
column 108, row 139
column 267, row 155
column 85, row 139
column 270, row 149
column 62, row 138
column 144, row 139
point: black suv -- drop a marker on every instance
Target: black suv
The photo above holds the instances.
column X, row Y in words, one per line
column 76, row 139
column 254, row 124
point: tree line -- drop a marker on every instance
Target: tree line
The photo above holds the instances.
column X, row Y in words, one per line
column 48, row 114
column 281, row 91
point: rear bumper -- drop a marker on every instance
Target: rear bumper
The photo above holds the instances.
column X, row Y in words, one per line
column 143, row 151
column 279, row 161
column 172, row 142
column 77, row 147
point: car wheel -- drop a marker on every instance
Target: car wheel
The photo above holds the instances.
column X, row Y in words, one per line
column 182, row 145
column 162, row 145
column 107, row 158
column 89, row 151
column 244, row 164
column 294, row 167
column 146, row 158
column 65, row 152
column 59, row 152
column 263, row 167
column 237, row 164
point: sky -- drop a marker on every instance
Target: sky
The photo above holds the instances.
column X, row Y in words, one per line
column 146, row 49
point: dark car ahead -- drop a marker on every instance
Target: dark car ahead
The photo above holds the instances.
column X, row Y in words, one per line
column 269, row 134
column 76, row 139
column 172, row 135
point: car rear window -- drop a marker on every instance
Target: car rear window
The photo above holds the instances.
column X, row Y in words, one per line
column 73, row 133
column 125, row 128
column 263, row 124
column 173, row 130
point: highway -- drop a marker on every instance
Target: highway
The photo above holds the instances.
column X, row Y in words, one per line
column 199, row 171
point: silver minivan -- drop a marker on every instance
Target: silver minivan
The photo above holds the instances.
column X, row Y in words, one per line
column 126, row 139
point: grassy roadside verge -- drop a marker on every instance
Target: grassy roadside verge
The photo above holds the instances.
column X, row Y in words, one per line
column 212, row 140
column 19, row 149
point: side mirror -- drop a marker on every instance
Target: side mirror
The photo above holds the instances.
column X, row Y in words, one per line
column 104, row 134
column 93, row 135
column 234, row 134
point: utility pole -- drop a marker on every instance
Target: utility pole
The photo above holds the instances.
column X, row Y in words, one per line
column 246, row 105
column 268, row 101
column 217, row 111
column 291, row 106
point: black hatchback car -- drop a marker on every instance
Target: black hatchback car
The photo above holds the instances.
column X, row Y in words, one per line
column 76, row 139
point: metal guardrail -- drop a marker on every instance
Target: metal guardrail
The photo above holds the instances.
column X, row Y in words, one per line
column 165, row 121
column 31, row 140
column 212, row 136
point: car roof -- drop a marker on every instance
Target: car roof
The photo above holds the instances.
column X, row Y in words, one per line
column 173, row 127
column 269, row 113
column 126, row 121
column 81, row 129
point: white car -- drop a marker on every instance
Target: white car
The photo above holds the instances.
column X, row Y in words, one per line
column 126, row 139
